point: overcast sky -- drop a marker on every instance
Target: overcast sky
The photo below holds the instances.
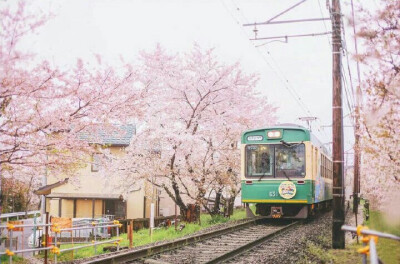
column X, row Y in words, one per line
column 296, row 76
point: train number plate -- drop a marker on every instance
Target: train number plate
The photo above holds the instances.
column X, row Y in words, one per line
column 272, row 194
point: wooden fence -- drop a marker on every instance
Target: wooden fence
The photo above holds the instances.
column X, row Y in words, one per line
column 140, row 223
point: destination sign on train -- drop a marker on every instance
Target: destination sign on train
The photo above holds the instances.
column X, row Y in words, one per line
column 255, row 138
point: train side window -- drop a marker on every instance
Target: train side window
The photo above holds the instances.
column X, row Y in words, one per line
column 322, row 166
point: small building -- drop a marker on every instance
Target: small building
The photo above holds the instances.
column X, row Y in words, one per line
column 93, row 196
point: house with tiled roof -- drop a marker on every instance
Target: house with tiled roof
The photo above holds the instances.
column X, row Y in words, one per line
column 92, row 195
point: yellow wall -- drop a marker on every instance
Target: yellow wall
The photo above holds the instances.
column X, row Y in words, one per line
column 89, row 182
column 167, row 205
column 98, row 208
column 96, row 183
column 135, row 204
column 151, row 194
column 53, row 206
column 67, row 208
column 83, row 208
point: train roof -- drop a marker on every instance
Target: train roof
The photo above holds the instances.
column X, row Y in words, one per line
column 293, row 133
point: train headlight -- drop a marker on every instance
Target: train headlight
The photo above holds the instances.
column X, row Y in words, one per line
column 274, row 134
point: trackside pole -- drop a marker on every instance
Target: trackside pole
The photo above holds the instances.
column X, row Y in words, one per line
column 95, row 239
column 118, row 237
column 55, row 245
column 46, row 237
column 11, row 245
column 34, row 232
column 131, row 234
column 151, row 221
column 338, row 238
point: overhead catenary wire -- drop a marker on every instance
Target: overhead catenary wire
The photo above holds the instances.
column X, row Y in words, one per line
column 277, row 71
column 359, row 93
column 327, row 36
column 349, row 89
column 295, row 36
column 283, row 79
column 326, row 28
column 294, row 92
column 348, row 63
column 275, row 68
column 349, row 104
column 349, row 95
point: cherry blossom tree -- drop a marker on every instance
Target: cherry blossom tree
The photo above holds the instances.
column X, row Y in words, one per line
column 196, row 110
column 44, row 109
column 380, row 33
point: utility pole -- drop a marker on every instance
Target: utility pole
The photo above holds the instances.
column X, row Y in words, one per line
column 337, row 112
column 338, row 238
column 356, row 184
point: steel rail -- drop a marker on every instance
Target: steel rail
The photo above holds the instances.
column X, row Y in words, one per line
column 240, row 250
column 149, row 251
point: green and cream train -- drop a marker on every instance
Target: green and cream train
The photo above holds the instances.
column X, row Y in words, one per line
column 285, row 171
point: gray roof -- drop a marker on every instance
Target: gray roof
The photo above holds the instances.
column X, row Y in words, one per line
column 114, row 135
column 45, row 190
column 85, row 195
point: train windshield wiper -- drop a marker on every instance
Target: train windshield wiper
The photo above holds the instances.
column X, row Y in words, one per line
column 262, row 176
column 284, row 172
column 289, row 145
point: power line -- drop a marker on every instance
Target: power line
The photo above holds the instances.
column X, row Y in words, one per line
column 287, row 21
column 284, row 80
column 240, row 11
column 356, row 48
column 347, row 60
column 278, row 72
column 326, row 29
column 295, row 36
column 346, row 89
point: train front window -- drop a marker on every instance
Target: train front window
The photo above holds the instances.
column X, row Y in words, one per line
column 275, row 160
column 290, row 161
column 260, row 160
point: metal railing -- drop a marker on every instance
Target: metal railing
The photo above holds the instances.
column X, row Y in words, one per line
column 18, row 214
column 54, row 247
column 370, row 240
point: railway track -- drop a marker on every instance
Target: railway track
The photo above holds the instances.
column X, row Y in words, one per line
column 211, row 247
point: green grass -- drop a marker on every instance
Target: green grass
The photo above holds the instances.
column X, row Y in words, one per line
column 319, row 254
column 388, row 250
column 142, row 237
column 15, row 259
column 318, row 250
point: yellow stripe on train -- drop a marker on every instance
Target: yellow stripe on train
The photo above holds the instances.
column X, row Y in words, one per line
column 274, row 201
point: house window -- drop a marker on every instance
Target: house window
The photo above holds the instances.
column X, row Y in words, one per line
column 96, row 162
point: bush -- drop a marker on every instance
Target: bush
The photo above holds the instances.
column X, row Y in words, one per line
column 217, row 219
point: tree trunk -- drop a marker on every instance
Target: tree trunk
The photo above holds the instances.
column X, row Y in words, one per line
column 217, row 203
